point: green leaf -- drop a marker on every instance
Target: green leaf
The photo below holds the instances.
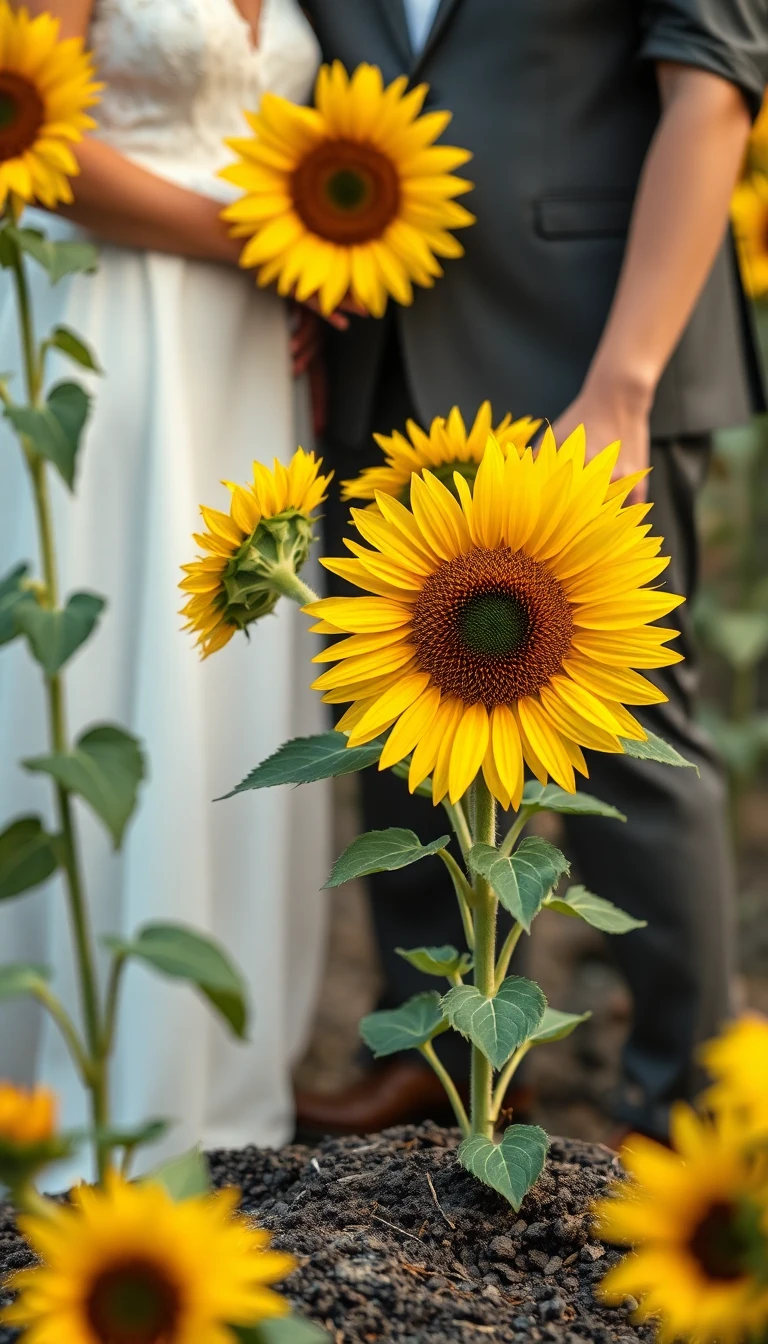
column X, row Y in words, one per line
column 12, row 592
column 404, row 1028
column 55, row 635
column 481, row 858
column 510, row 1167
column 70, row 344
column 54, row 429
column 58, row 259
column 105, row 767
column 497, row 1026
column 549, row 798
column 28, row 856
column 382, row 852
column 555, row 1026
column 23, row 978
column 304, row 760
column 183, row 1176
column 655, row 749
column 444, row 961
column 184, row 954
column 522, row 881
column 595, row 910
column 150, row 1132
column 281, row 1330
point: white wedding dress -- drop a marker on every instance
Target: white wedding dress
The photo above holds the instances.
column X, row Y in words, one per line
column 198, row 383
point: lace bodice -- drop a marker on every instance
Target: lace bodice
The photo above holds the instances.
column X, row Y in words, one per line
column 179, row 73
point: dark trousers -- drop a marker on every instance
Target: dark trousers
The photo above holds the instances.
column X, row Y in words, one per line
column 670, row 864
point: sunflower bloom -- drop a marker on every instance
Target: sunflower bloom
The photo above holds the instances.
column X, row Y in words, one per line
column 29, row 1139
column 749, row 216
column 126, row 1265
column 447, row 448
column 501, row 627
column 693, row 1216
column 45, row 87
column 738, row 1062
column 254, row 552
column 351, row 196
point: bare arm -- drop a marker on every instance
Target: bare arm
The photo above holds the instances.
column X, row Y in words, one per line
column 124, row 203
column 677, row 226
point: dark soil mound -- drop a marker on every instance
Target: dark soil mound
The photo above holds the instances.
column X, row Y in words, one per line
column 396, row 1243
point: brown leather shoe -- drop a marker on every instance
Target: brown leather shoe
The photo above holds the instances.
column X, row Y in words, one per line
column 399, row 1092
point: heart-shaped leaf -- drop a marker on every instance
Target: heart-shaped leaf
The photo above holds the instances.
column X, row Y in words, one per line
column 510, row 1167
column 655, row 749
column 105, row 768
column 522, row 881
column 12, row 592
column 57, row 258
column 382, row 852
column 54, row 429
column 55, row 635
column 304, row 760
column 555, row 1026
column 497, row 1026
column 444, row 961
column 595, row 910
column 23, row 978
column 550, row 798
column 28, row 856
column 404, row 1028
column 185, row 954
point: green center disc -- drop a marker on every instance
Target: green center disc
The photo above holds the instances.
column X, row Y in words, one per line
column 347, row 189
column 9, row 110
column 495, row 624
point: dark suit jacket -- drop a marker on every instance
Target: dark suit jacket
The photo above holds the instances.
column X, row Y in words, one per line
column 557, row 100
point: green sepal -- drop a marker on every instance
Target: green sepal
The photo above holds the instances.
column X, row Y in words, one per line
column 498, row 1026
column 549, row 798
column 555, row 1026
column 279, row 543
column 443, row 961
column 12, row 591
column 184, row 954
column 281, row 1330
column 304, row 760
column 523, row 881
column 182, row 1177
column 28, row 856
column 54, row 636
column 595, row 910
column 74, row 347
column 57, row 258
column 382, row 852
column 105, row 767
column 511, row 1167
column 54, row 430
column 655, row 749
column 404, row 1028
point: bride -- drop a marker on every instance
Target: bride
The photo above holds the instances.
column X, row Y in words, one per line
column 198, row 383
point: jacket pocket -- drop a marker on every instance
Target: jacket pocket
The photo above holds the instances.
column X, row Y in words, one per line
column 582, row 216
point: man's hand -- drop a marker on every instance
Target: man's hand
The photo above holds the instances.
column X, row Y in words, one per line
column 606, row 417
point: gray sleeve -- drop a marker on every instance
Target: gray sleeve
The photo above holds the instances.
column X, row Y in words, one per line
column 727, row 37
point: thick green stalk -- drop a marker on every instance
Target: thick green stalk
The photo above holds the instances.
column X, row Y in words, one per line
column 288, row 583
column 484, row 832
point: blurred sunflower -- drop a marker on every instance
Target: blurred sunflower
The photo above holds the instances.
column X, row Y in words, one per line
column 500, row 627
column 28, row 1132
column 45, row 87
column 694, row 1218
column 738, row 1062
column 126, row 1265
column 448, row 447
column 749, row 216
column 254, row 552
column 350, row 196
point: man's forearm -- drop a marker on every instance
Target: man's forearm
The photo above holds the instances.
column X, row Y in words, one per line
column 678, row 224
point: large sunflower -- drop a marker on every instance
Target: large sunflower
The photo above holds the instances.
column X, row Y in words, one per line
column 350, row 196
column 749, row 215
column 448, row 447
column 231, row 586
column 45, row 87
column 694, row 1217
column 126, row 1265
column 501, row 628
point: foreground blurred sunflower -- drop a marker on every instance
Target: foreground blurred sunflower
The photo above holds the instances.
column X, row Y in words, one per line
column 45, row 87
column 350, row 196
column 749, row 215
column 254, row 552
column 501, row 627
column 448, row 447
column 738, row 1062
column 126, row 1265
column 693, row 1216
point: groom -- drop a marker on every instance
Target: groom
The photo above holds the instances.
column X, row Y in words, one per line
column 599, row 287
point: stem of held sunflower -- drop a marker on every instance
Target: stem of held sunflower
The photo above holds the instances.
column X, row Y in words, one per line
column 288, row 583
column 484, row 832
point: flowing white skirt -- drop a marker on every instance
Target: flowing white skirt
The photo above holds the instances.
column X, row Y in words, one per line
column 197, row 384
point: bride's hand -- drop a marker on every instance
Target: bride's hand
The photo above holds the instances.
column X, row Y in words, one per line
column 338, row 318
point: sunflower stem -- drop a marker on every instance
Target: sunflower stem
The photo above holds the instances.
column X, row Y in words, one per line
column 515, row 831
column 429, row 1053
column 505, row 1078
column 464, row 895
column 288, row 584
column 83, row 938
column 484, row 832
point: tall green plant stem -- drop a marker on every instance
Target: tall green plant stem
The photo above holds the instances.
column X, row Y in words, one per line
column 484, row 832
column 83, row 937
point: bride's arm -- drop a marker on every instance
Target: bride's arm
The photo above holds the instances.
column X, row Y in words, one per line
column 124, row 203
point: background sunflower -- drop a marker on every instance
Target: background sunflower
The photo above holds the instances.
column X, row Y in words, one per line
column 351, row 196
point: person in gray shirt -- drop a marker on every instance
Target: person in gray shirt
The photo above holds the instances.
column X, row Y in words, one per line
column 599, row 286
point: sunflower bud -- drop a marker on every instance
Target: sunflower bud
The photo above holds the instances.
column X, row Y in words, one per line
column 28, row 1137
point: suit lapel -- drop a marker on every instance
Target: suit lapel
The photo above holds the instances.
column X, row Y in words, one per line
column 443, row 16
column 393, row 14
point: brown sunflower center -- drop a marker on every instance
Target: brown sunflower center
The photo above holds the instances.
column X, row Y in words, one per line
column 21, row 114
column 346, row 191
column 721, row 1242
column 492, row 626
column 133, row 1303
